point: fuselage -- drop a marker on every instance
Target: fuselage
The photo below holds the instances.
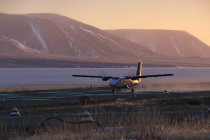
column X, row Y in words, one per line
column 120, row 82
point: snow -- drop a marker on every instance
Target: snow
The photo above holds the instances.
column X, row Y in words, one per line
column 102, row 36
column 94, row 54
column 65, row 33
column 1, row 38
column 73, row 28
column 71, row 45
column 91, row 32
column 20, row 46
column 153, row 46
column 37, row 34
column 174, row 44
column 70, row 39
column 113, row 41
column 78, row 52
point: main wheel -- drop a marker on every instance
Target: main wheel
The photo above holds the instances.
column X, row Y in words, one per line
column 114, row 91
column 132, row 90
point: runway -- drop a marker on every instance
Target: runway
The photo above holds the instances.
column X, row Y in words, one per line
column 41, row 97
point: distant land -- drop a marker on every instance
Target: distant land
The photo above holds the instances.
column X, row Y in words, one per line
column 51, row 40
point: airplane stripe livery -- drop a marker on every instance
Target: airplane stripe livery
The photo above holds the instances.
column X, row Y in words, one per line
column 125, row 81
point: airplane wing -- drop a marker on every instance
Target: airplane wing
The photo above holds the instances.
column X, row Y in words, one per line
column 146, row 76
column 104, row 78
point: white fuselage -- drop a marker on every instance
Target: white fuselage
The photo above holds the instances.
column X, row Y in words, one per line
column 120, row 82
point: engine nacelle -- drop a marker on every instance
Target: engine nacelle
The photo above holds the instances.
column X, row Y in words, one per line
column 133, row 77
column 104, row 78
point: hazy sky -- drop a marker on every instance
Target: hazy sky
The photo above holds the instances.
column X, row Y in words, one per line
column 192, row 16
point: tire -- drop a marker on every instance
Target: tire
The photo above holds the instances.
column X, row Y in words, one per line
column 114, row 91
column 132, row 90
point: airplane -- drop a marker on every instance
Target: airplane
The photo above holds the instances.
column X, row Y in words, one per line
column 125, row 81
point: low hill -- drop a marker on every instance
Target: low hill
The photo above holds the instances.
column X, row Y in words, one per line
column 167, row 42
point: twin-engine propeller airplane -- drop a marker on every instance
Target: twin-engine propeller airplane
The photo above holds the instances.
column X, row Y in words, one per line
column 125, row 81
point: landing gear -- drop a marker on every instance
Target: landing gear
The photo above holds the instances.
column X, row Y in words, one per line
column 114, row 91
column 132, row 90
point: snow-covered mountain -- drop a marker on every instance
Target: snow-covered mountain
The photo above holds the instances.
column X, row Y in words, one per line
column 51, row 34
column 50, row 40
column 167, row 42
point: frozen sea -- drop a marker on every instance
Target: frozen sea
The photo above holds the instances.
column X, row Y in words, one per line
column 55, row 77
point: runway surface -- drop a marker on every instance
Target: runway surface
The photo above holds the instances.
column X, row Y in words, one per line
column 21, row 98
column 40, row 97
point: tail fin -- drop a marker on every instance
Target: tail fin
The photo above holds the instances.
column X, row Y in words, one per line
column 139, row 68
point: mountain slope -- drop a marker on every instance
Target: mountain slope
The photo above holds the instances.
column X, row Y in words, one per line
column 167, row 42
column 51, row 34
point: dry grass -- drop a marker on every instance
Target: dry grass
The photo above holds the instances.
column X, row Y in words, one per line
column 137, row 125
column 149, row 117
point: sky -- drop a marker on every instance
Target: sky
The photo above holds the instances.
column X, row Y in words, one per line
column 192, row 16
